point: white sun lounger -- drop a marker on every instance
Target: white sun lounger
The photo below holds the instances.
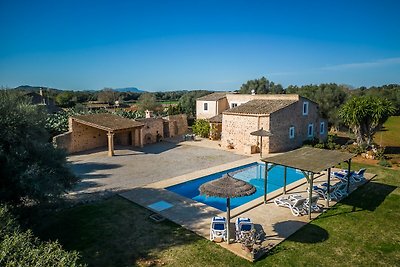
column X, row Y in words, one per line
column 218, row 228
column 243, row 226
column 355, row 177
column 294, row 202
column 314, row 204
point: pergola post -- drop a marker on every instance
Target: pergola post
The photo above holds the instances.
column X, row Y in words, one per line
column 110, row 136
column 141, row 137
column 328, row 194
column 284, row 179
column 265, row 183
column 348, row 175
column 266, row 180
column 311, row 179
column 228, row 218
column 133, row 137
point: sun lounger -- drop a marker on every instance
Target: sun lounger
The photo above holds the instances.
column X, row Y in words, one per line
column 243, row 226
column 355, row 177
column 218, row 228
column 314, row 204
column 294, row 202
column 322, row 191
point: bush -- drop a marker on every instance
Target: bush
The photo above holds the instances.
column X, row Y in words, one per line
column 380, row 153
column 384, row 163
column 22, row 248
column 201, row 128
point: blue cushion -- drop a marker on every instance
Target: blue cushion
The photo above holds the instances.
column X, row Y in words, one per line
column 219, row 226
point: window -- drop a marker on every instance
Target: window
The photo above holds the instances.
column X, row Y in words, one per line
column 205, row 106
column 305, row 108
column 322, row 128
column 310, row 130
column 291, row 132
column 234, row 105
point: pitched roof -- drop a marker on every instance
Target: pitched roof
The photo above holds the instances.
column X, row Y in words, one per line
column 213, row 96
column 216, row 119
column 260, row 106
column 107, row 122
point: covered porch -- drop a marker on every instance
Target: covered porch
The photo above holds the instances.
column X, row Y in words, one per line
column 95, row 130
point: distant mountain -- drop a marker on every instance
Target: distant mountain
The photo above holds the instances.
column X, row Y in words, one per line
column 35, row 88
column 129, row 90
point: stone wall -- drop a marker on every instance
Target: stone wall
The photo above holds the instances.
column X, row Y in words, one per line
column 177, row 124
column 80, row 137
column 283, row 119
column 236, row 131
column 153, row 127
column 63, row 141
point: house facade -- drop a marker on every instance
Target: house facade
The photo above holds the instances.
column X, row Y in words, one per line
column 291, row 119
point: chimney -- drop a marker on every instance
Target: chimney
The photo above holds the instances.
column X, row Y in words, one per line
column 149, row 113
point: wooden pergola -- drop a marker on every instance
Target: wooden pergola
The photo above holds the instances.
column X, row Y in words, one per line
column 113, row 124
column 309, row 161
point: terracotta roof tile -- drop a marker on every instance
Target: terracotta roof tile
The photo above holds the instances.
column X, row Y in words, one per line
column 213, row 96
column 260, row 106
column 107, row 122
column 216, row 119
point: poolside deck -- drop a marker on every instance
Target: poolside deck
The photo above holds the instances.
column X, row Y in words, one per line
column 278, row 223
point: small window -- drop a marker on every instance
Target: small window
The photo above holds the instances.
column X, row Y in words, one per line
column 310, row 130
column 234, row 105
column 322, row 128
column 205, row 106
column 305, row 108
column 291, row 132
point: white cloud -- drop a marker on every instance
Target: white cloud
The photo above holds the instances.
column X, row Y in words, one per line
column 358, row 65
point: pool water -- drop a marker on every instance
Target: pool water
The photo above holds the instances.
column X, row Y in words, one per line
column 252, row 173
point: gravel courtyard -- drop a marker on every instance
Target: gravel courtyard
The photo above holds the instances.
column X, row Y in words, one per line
column 135, row 167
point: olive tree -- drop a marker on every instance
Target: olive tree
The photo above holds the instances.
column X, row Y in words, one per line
column 31, row 168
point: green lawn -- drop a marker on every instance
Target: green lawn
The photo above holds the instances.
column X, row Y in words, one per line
column 363, row 230
column 390, row 133
column 389, row 137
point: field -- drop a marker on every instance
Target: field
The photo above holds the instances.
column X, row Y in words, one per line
column 389, row 137
column 362, row 230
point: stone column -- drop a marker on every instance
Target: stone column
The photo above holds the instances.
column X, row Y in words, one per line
column 110, row 136
column 137, row 137
column 141, row 137
column 133, row 137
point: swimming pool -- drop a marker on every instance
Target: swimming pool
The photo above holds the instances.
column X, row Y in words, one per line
column 252, row 173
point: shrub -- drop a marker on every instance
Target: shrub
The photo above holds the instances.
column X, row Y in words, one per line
column 22, row 248
column 380, row 153
column 384, row 163
column 201, row 128
column 320, row 145
column 311, row 142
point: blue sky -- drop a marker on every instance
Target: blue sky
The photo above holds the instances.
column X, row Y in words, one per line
column 215, row 45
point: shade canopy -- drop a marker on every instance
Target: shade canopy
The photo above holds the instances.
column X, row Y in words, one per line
column 261, row 132
column 310, row 159
column 227, row 187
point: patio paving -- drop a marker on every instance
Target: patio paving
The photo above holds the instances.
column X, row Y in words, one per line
column 130, row 168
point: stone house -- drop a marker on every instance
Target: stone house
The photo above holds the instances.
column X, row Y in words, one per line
column 104, row 130
column 291, row 119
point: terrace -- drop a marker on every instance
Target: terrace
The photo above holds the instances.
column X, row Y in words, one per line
column 278, row 223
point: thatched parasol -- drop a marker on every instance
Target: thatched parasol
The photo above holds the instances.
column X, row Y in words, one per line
column 227, row 187
column 261, row 133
